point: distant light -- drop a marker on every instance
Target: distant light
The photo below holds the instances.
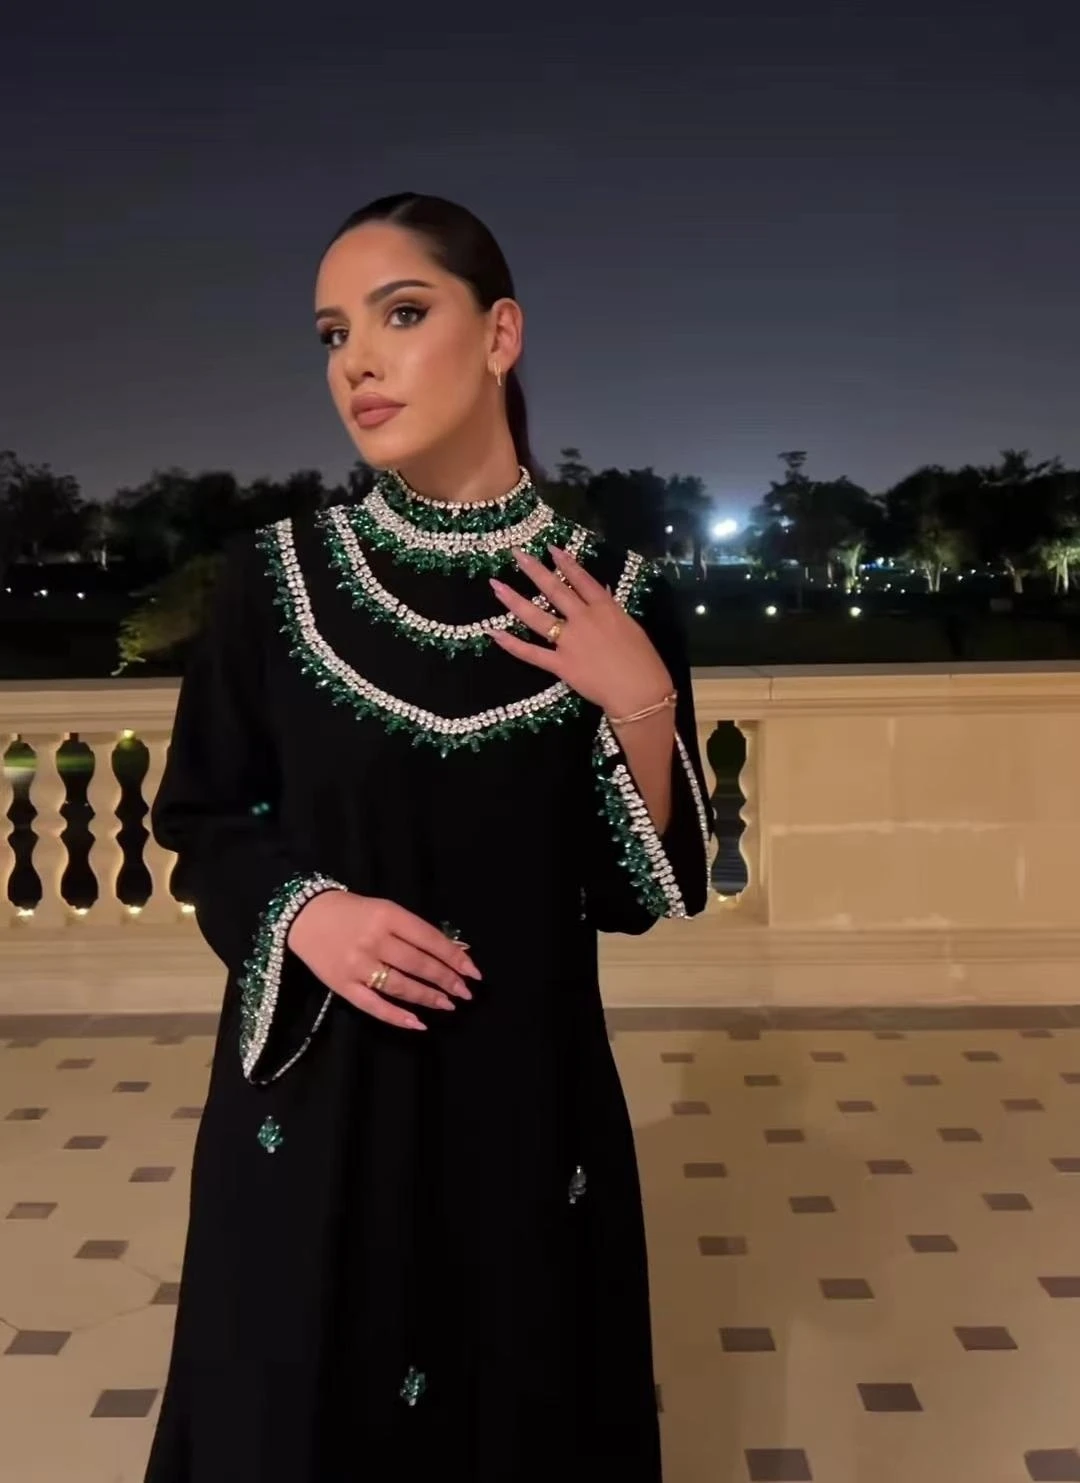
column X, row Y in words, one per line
column 81, row 911
column 771, row 611
column 43, row 593
column 669, row 530
column 959, row 576
column 855, row 612
column 128, row 735
column 26, row 911
column 134, row 911
column 80, row 595
column 186, row 909
column 724, row 529
column 701, row 610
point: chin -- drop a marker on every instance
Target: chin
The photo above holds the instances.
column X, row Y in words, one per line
column 389, row 447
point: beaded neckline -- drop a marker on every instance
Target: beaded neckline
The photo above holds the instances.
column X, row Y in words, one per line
column 468, row 517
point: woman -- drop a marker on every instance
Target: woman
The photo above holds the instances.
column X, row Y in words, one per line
column 429, row 744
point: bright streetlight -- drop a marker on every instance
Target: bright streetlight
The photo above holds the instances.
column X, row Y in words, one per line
column 723, row 530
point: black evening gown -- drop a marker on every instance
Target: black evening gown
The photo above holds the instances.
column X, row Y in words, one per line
column 414, row 1255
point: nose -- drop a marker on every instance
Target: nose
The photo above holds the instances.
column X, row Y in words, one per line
column 358, row 360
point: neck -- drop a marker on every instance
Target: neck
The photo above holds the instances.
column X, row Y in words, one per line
column 465, row 474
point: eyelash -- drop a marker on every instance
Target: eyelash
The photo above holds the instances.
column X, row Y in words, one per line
column 326, row 335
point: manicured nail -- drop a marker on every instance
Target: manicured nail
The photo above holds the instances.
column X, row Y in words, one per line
column 462, row 992
column 414, row 1024
column 498, row 586
column 470, row 970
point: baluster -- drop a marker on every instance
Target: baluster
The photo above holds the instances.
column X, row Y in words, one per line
column 7, row 853
column 753, row 896
column 48, row 795
column 106, row 855
column 159, row 862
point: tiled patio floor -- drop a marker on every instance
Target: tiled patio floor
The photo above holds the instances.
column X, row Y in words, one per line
column 865, row 1245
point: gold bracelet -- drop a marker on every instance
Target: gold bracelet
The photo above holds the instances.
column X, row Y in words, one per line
column 668, row 703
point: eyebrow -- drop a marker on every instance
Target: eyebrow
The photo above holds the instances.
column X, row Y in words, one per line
column 376, row 296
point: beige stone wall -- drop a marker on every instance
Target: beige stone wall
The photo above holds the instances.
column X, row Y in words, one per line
column 912, row 837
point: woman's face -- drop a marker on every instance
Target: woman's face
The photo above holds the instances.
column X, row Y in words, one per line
column 409, row 351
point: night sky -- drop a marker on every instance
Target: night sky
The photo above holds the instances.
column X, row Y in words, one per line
column 847, row 228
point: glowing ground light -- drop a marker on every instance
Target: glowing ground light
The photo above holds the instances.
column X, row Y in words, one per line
column 855, row 612
column 771, row 611
column 701, row 610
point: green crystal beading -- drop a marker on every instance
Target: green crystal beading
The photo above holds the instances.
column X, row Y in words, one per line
column 556, row 531
column 260, row 977
column 443, row 517
column 553, row 705
column 270, row 1135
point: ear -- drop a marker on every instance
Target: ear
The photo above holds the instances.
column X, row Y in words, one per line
column 507, row 333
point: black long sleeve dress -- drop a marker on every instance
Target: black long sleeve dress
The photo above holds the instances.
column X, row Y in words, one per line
column 414, row 1256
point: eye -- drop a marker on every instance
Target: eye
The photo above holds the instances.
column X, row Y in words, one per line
column 326, row 335
column 414, row 314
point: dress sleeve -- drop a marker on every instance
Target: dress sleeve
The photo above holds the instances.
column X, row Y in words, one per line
column 216, row 808
column 635, row 874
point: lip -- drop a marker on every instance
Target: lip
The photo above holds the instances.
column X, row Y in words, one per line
column 373, row 411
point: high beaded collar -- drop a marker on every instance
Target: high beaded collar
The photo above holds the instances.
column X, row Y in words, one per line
column 464, row 517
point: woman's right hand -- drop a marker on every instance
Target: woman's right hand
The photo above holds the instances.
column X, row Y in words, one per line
column 345, row 939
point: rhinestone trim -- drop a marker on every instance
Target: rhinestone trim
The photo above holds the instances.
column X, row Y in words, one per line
column 345, row 686
column 260, row 978
column 643, row 854
column 368, row 593
column 578, row 1185
column 462, row 506
column 413, row 1386
column 270, row 1135
column 455, row 544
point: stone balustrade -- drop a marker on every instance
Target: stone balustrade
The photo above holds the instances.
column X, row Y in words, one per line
column 910, row 836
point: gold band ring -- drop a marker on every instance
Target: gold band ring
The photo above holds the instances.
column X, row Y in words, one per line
column 554, row 633
column 379, row 977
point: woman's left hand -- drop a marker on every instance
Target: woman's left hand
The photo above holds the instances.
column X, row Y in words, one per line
column 598, row 649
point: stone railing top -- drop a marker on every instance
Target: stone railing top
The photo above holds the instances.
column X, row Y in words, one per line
column 736, row 693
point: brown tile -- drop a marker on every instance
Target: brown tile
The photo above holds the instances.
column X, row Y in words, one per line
column 929, row 1245
column 75, row 1063
column 1036, row 1034
column 26, row 1114
column 87, row 1140
column 151, row 1174
column 812, row 1205
column 723, row 1245
column 845, row 1289
column 889, row 1397
column 922, row 1079
column 190, row 1114
column 1023, row 1104
column 31, row 1210
column 1067, row 1165
column 959, row 1135
column 973, row 1339
column 762, row 1079
column 1008, row 1201
column 778, row 1465
column 677, row 1057
column 1053, row 1465
column 828, row 1057
column 38, row 1342
column 1060, row 1287
column 785, row 1135
column 705, row 1171
column 102, row 1251
column 747, row 1341
column 690, row 1109
column 888, row 1166
column 131, row 1086
column 167, row 1295
column 1071, row 1078
column 133, row 1405
column 981, row 1056
column 856, row 1104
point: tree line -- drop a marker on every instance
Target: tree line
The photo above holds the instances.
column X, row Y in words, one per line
column 1018, row 516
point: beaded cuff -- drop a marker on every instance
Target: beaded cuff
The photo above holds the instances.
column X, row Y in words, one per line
column 643, row 856
column 260, row 978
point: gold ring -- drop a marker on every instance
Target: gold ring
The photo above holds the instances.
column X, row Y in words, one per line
column 554, row 633
column 379, row 977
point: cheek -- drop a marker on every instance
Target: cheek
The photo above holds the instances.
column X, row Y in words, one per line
column 441, row 369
